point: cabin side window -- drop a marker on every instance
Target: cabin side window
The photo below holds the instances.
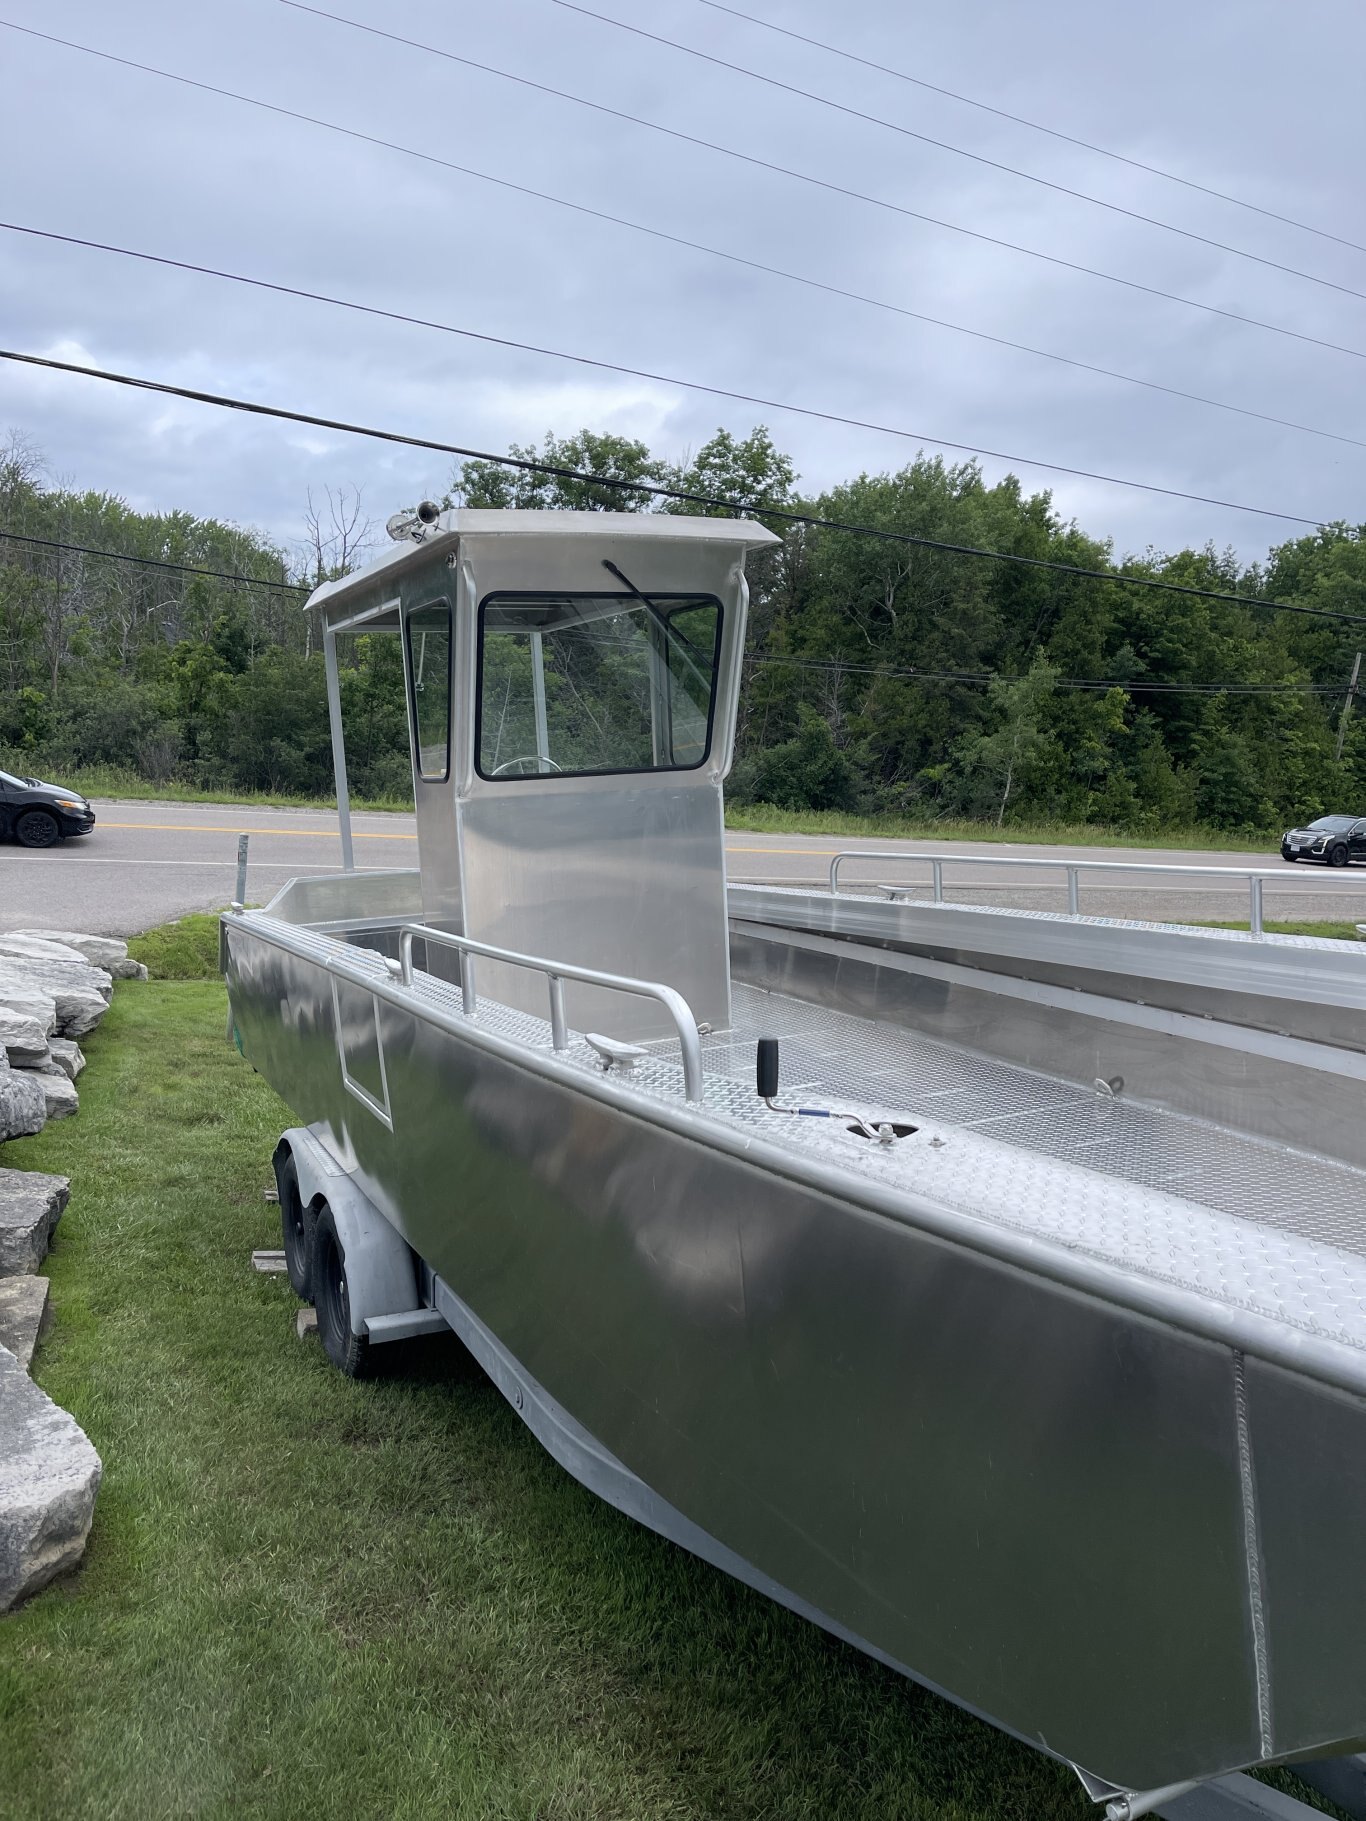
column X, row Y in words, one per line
column 583, row 683
column 429, row 672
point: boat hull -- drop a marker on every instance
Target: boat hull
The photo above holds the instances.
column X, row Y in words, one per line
column 1124, row 1541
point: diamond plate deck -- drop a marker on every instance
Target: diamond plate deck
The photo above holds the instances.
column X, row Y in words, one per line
column 1236, row 1220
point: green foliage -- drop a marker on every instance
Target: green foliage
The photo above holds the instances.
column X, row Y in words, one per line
column 184, row 950
column 1017, row 750
column 882, row 678
column 807, row 771
column 619, row 458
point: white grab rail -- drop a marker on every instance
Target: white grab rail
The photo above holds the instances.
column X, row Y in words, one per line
column 556, row 973
column 1073, row 868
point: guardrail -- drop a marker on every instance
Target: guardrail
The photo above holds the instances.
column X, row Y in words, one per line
column 556, row 973
column 1073, row 870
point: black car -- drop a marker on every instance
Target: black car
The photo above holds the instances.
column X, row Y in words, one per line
column 37, row 814
column 1333, row 839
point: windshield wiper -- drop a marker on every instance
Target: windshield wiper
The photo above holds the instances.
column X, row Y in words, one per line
column 670, row 631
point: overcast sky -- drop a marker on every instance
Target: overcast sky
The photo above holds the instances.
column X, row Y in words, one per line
column 1255, row 97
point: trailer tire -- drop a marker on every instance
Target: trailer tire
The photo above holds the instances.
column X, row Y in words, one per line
column 349, row 1353
column 296, row 1224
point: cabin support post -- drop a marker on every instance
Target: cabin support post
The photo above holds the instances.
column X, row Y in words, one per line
column 538, row 702
column 338, row 748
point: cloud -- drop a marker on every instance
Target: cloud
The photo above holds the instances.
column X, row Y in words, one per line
column 147, row 163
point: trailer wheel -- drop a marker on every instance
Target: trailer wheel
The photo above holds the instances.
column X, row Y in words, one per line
column 294, row 1227
column 349, row 1353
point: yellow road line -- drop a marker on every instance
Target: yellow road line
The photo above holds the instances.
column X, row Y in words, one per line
column 228, row 828
column 358, row 834
column 806, row 853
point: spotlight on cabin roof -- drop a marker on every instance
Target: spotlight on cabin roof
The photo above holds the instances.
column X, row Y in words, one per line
column 412, row 527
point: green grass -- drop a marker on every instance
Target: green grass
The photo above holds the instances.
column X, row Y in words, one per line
column 184, row 950
column 763, row 818
column 1327, row 926
column 112, row 781
column 304, row 1595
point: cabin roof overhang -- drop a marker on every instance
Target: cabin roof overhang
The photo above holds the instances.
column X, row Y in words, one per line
column 444, row 538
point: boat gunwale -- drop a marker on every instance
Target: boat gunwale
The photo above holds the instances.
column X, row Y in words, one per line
column 1333, row 1363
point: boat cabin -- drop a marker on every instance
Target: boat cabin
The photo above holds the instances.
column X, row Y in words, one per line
column 572, row 680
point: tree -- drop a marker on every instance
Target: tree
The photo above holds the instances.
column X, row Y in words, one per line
column 617, row 458
column 806, row 772
column 995, row 766
column 750, row 474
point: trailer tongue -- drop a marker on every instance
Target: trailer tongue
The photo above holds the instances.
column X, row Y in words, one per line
column 1010, row 1333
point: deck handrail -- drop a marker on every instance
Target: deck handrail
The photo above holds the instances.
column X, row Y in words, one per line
column 556, row 973
column 1073, row 868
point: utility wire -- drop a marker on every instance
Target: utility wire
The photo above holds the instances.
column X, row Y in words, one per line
column 895, row 208
column 1035, row 126
column 877, row 303
column 913, row 673
column 688, row 496
column 778, row 271
column 1131, row 686
column 153, row 562
column 943, row 145
column 693, row 385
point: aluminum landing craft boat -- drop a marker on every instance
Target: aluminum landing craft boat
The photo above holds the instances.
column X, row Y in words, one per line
column 1031, row 1357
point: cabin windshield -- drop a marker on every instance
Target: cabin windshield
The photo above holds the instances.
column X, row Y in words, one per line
column 596, row 683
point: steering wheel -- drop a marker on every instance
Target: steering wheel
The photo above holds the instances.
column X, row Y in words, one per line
column 532, row 763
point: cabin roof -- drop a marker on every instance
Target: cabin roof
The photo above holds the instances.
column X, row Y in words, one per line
column 740, row 534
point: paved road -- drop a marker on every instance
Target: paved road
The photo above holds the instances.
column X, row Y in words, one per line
column 147, row 862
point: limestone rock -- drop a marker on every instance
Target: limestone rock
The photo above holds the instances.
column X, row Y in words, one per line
column 67, row 1055
column 26, row 999
column 128, row 970
column 102, row 951
column 23, row 1039
column 60, row 1099
column 23, row 1111
column 49, row 1475
column 23, row 1315
column 70, row 971
column 37, row 948
column 79, row 992
column 30, row 1206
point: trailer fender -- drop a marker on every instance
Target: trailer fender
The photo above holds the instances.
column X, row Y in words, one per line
column 381, row 1276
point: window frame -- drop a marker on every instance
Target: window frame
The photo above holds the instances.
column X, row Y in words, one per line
column 437, row 600
column 693, row 598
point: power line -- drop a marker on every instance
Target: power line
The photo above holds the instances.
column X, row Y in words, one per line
column 757, row 265
column 692, row 385
column 152, row 562
column 686, row 496
column 878, row 202
column 943, row 145
column 1035, row 126
column 913, row 673
column 1001, row 341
